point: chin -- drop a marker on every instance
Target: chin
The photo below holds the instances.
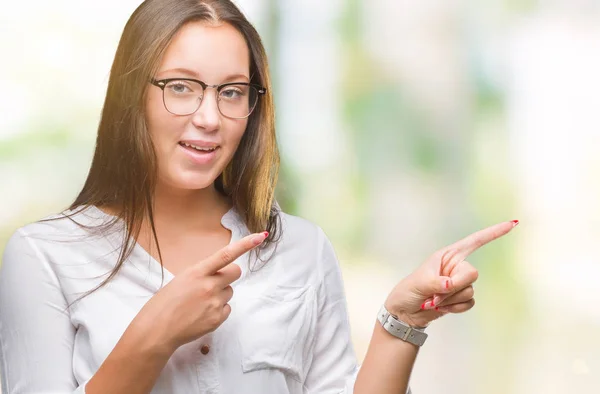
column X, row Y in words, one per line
column 197, row 184
column 187, row 181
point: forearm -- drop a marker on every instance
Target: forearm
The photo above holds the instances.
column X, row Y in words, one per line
column 387, row 365
column 133, row 366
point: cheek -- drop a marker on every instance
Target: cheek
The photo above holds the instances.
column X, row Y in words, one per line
column 161, row 125
column 237, row 132
column 155, row 115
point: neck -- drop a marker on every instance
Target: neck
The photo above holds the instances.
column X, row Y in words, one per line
column 199, row 210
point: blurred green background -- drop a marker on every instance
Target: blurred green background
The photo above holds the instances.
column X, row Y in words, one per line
column 404, row 126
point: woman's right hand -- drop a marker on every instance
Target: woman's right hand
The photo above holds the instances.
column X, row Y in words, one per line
column 195, row 302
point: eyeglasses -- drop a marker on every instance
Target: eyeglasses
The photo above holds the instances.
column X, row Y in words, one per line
column 183, row 96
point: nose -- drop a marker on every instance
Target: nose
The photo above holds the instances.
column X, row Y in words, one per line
column 208, row 117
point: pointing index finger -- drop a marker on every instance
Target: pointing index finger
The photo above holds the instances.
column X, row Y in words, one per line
column 471, row 243
column 229, row 253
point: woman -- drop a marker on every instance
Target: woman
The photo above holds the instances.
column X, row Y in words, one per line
column 174, row 271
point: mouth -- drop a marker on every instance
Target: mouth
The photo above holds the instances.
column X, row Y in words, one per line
column 200, row 154
column 201, row 149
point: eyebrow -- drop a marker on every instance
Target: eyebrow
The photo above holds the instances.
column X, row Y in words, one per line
column 195, row 75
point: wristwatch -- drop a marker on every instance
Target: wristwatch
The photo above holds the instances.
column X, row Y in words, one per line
column 399, row 329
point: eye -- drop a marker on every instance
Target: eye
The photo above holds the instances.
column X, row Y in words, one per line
column 232, row 92
column 179, row 87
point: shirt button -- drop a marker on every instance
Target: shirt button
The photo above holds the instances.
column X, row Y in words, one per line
column 205, row 349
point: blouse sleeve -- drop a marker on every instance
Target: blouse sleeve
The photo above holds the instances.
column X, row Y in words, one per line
column 334, row 366
column 36, row 333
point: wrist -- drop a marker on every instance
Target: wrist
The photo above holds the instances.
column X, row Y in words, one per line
column 401, row 329
column 407, row 317
column 150, row 337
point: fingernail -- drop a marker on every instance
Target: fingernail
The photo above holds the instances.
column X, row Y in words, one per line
column 427, row 305
column 433, row 303
column 258, row 239
column 437, row 308
column 447, row 283
column 515, row 222
column 266, row 233
column 436, row 301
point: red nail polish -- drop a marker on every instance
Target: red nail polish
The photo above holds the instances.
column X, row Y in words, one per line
column 266, row 233
column 423, row 306
column 432, row 304
column 437, row 308
column 515, row 222
column 447, row 284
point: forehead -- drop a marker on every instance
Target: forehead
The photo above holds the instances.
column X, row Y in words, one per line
column 213, row 52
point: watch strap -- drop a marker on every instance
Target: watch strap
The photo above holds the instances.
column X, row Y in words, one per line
column 400, row 329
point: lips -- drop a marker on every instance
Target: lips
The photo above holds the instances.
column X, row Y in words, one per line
column 203, row 146
column 200, row 153
column 207, row 149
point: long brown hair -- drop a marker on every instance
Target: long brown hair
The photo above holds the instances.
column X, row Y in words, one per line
column 124, row 168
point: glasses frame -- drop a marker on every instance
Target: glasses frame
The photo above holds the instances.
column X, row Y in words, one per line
column 162, row 83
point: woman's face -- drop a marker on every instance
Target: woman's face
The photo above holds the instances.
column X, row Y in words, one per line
column 214, row 55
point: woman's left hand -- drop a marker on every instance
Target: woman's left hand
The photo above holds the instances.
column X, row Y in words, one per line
column 444, row 283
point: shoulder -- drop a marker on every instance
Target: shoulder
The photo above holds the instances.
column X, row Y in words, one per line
column 306, row 256
column 307, row 243
column 25, row 252
column 302, row 233
column 55, row 232
column 68, row 222
column 298, row 228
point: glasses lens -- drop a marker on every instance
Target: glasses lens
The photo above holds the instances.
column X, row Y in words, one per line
column 182, row 97
column 237, row 100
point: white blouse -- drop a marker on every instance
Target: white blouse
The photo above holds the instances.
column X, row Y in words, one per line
column 288, row 331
